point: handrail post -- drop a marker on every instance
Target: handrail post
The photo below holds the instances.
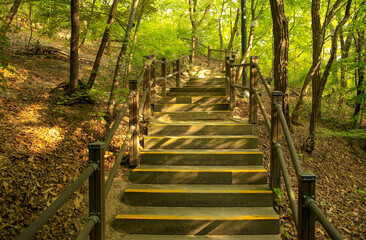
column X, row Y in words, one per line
column 226, row 54
column 232, row 81
column 275, row 168
column 97, row 190
column 177, row 66
column 134, row 121
column 147, row 82
column 193, row 47
column 163, row 74
column 252, row 87
column 306, row 219
column 153, row 77
column 208, row 55
column 227, row 75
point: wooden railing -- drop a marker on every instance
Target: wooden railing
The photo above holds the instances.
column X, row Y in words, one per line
column 212, row 54
column 98, row 187
column 306, row 210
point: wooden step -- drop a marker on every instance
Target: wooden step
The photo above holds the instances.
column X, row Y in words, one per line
column 194, row 100
column 182, row 195
column 192, row 115
column 208, row 157
column 198, row 220
column 191, row 107
column 198, row 237
column 200, row 128
column 201, row 142
column 200, row 94
column 166, row 174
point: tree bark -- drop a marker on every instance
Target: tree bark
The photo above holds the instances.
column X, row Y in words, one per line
column 194, row 22
column 253, row 24
column 234, row 30
column 86, row 30
column 121, row 62
column 345, row 46
column 102, row 46
column 9, row 18
column 281, row 46
column 318, row 41
column 318, row 84
column 359, row 42
column 74, row 47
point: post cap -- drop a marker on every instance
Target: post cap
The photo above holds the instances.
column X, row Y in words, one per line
column 133, row 81
column 163, row 58
column 96, row 145
column 307, row 176
column 147, row 56
column 254, row 57
column 277, row 93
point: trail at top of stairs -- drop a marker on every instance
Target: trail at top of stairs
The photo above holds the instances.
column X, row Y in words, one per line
column 201, row 174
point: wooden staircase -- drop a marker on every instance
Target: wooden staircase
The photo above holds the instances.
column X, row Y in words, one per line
column 201, row 174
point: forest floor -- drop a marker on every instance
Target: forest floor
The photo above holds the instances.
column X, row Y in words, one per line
column 43, row 148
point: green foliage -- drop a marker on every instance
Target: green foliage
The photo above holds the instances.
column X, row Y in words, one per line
column 78, row 97
column 279, row 198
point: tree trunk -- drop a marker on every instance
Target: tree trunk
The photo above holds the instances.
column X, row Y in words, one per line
column 281, row 46
column 74, row 47
column 139, row 21
column 345, row 46
column 103, row 44
column 234, row 30
column 9, row 18
column 86, row 30
column 220, row 30
column 318, row 41
column 194, row 22
column 30, row 24
column 253, row 24
column 359, row 42
column 121, row 62
column 318, row 83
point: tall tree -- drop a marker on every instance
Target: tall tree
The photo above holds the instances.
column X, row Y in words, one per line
column 281, row 46
column 318, row 80
column 254, row 23
column 121, row 62
column 102, row 46
column 319, row 32
column 9, row 18
column 234, row 30
column 345, row 47
column 194, row 18
column 360, row 72
column 88, row 24
column 74, row 47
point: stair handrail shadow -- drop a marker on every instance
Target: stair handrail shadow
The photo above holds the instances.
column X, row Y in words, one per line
column 306, row 210
column 94, row 172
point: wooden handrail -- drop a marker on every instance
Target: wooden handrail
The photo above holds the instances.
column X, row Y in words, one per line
column 306, row 209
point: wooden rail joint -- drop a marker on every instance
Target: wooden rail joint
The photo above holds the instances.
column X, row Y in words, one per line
column 306, row 217
column 97, row 190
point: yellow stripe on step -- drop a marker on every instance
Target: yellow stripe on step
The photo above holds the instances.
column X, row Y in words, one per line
column 196, row 170
column 203, row 218
column 200, row 137
column 199, row 124
column 194, row 191
column 142, row 152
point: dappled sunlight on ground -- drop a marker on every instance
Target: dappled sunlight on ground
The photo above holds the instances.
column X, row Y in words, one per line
column 45, row 138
